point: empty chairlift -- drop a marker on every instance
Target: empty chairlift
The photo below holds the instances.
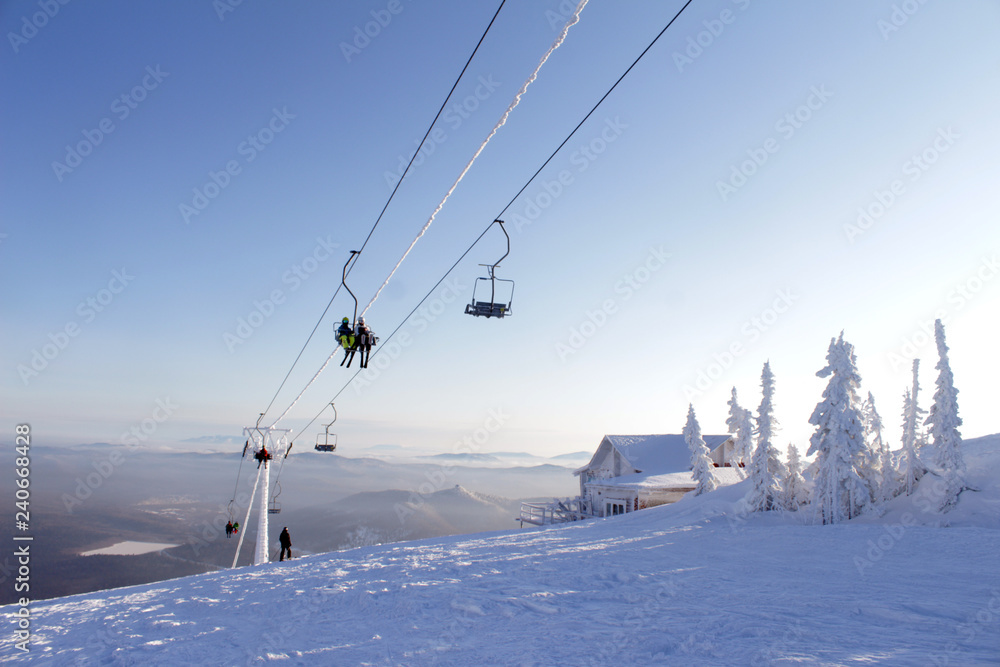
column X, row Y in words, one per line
column 489, row 299
column 326, row 441
column 275, row 507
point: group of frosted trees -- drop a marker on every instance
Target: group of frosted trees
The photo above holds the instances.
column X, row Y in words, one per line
column 853, row 471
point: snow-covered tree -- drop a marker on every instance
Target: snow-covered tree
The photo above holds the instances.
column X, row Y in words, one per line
column 869, row 467
column 701, row 461
column 911, row 467
column 840, row 491
column 766, row 469
column 692, row 434
column 944, row 422
column 796, row 490
column 741, row 426
column 922, row 437
column 880, row 467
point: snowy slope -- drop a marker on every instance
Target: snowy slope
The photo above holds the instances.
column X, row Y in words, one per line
column 694, row 583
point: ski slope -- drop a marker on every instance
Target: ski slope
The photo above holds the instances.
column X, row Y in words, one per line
column 694, row 583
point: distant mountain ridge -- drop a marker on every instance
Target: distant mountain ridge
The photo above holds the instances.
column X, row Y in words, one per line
column 478, row 458
column 573, row 455
column 378, row 517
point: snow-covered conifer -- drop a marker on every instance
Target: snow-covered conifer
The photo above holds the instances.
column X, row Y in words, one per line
column 701, row 461
column 796, row 491
column 880, row 468
column 840, row 492
column 766, row 469
column 868, row 459
column 944, row 422
column 692, row 434
column 740, row 425
column 911, row 467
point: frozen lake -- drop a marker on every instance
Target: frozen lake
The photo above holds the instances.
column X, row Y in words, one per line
column 128, row 549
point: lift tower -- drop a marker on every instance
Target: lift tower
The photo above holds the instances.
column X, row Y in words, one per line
column 275, row 441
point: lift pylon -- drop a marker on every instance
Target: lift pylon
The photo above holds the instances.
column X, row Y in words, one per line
column 268, row 444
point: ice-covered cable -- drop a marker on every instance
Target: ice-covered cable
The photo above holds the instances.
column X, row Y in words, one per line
column 384, row 208
column 246, row 520
column 321, row 369
column 503, row 119
column 509, row 204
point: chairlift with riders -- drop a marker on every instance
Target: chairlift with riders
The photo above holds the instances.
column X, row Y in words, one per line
column 354, row 335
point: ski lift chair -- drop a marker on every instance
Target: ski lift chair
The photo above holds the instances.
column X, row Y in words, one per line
column 275, row 506
column 326, row 445
column 326, row 442
column 479, row 306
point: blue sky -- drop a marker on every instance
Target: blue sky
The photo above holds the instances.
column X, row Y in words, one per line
column 745, row 158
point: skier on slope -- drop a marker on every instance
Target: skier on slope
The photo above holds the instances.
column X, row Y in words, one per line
column 365, row 341
column 286, row 543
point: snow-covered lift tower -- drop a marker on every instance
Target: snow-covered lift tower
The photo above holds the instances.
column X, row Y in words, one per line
column 275, row 441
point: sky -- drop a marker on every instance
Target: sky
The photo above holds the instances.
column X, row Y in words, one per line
column 182, row 184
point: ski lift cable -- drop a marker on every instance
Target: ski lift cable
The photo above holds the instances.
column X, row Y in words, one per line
column 589, row 113
column 246, row 521
column 288, row 449
column 276, row 487
column 560, row 38
column 239, row 471
column 281, row 466
column 433, row 122
column 503, row 119
column 350, row 263
column 521, row 191
column 391, row 195
column 574, row 18
column 236, row 488
column 400, row 326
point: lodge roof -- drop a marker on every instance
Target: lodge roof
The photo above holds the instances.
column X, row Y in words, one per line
column 654, row 454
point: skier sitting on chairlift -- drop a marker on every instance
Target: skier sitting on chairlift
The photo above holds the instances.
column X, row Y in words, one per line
column 345, row 334
column 263, row 456
column 365, row 341
column 347, row 340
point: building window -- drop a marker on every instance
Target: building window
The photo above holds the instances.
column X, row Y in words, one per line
column 614, row 508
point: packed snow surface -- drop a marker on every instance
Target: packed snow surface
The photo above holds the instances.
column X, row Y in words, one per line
column 695, row 583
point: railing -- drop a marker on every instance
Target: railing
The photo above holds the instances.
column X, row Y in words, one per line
column 557, row 511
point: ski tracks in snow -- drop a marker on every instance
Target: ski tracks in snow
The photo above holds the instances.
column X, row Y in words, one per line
column 625, row 591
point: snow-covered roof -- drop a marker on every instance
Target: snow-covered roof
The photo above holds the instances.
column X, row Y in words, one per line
column 656, row 454
column 671, row 480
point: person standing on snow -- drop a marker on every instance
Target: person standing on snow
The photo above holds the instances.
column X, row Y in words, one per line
column 286, row 543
